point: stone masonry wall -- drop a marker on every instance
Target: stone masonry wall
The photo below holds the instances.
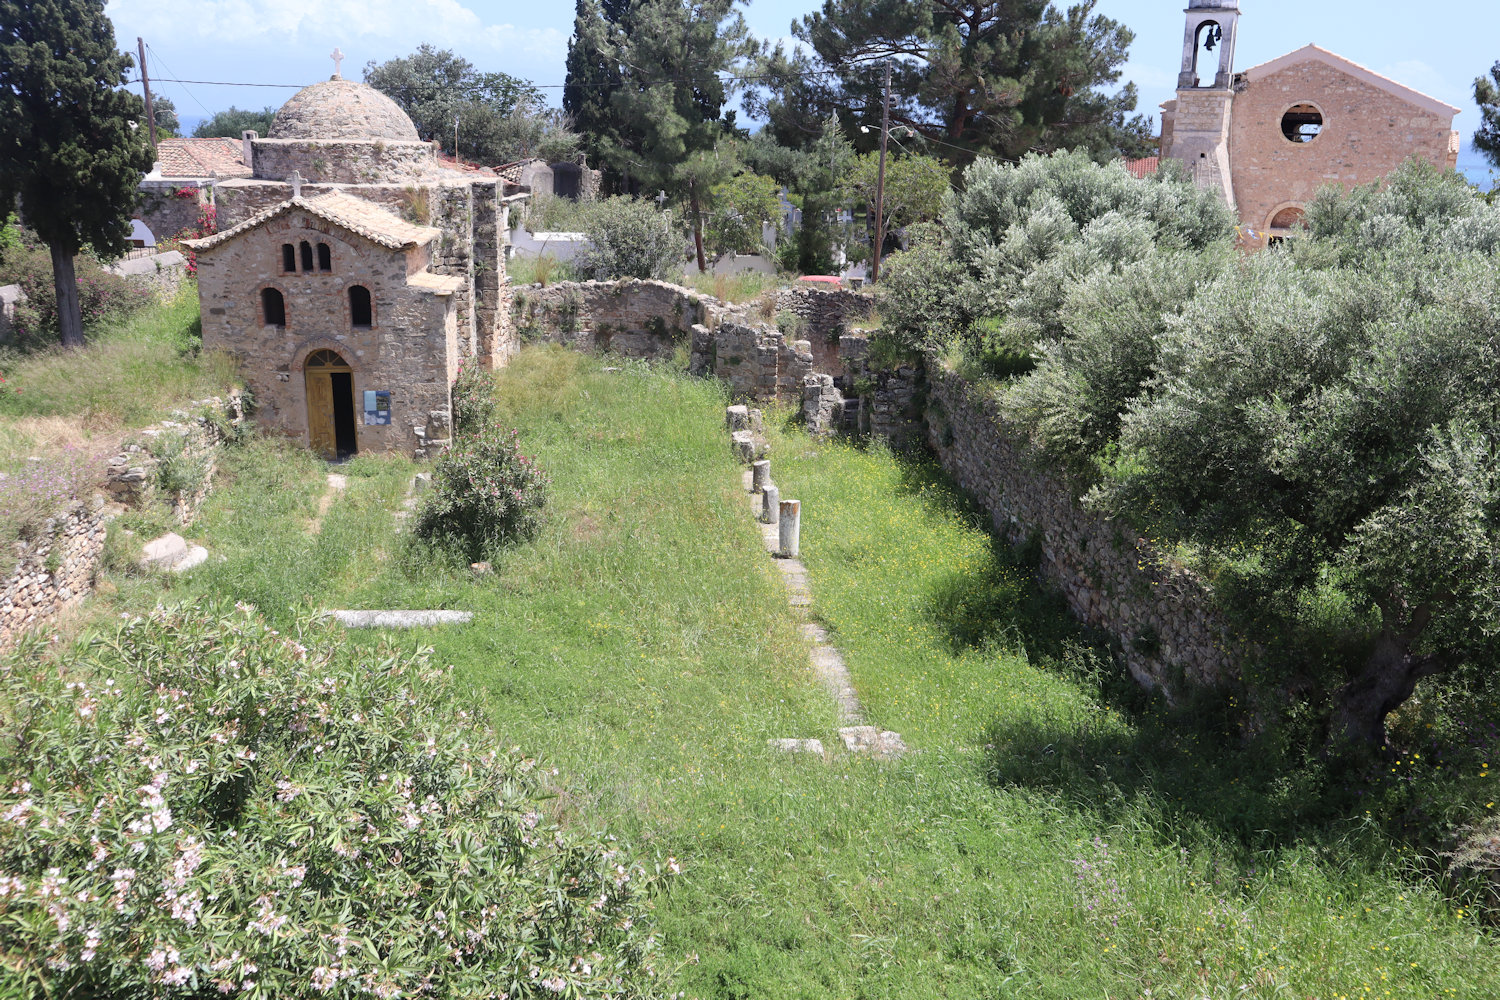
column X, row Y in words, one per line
column 410, row 349
column 641, row 319
column 828, row 315
column 166, row 213
column 1367, row 132
column 193, row 436
column 1160, row 615
column 756, row 362
column 348, row 161
column 55, row 568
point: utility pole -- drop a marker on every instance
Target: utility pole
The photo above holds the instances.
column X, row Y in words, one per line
column 140, row 45
column 885, row 135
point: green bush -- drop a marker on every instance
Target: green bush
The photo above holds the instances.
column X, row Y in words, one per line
column 202, row 805
column 473, row 398
column 102, row 296
column 630, row 239
column 485, row 494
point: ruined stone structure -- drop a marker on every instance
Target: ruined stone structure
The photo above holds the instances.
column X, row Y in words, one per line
column 353, row 274
column 1267, row 138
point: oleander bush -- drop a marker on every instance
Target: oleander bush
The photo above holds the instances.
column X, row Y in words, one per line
column 630, row 239
column 485, row 494
column 102, row 296
column 473, row 398
column 200, row 805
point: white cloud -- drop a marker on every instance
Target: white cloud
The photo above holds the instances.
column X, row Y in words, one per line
column 277, row 24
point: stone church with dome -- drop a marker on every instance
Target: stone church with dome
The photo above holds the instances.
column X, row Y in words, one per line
column 353, row 274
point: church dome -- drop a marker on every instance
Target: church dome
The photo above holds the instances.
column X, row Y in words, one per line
column 341, row 109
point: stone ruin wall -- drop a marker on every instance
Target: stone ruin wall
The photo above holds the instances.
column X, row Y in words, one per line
column 1159, row 615
column 166, row 213
column 827, row 315
column 55, row 569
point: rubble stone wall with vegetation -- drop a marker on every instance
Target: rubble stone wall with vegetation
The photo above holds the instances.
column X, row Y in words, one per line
column 1159, row 614
column 53, row 565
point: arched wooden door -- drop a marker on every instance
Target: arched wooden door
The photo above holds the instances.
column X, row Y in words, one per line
column 329, row 383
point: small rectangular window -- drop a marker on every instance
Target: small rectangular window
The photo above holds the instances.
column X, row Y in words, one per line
column 325, row 257
column 307, row 264
column 288, row 258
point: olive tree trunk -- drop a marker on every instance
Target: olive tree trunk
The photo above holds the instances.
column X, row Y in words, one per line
column 1389, row 677
column 69, row 316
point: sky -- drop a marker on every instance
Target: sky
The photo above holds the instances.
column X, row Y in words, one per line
column 289, row 41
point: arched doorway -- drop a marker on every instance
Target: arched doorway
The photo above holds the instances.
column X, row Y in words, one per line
column 330, row 405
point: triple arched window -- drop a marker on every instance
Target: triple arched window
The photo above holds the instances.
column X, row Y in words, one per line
column 290, row 255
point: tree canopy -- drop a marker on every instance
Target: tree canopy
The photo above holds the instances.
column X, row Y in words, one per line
column 500, row 118
column 235, row 122
column 997, row 77
column 645, row 85
column 1487, row 96
column 71, row 142
column 1315, row 424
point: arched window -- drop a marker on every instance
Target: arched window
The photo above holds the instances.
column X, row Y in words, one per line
column 272, row 307
column 288, row 258
column 307, row 264
column 1210, row 36
column 325, row 257
column 359, row 305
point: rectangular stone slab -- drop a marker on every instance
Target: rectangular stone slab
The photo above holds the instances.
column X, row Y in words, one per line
column 400, row 619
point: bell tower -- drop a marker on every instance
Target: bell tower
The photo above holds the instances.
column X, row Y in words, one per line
column 1199, row 127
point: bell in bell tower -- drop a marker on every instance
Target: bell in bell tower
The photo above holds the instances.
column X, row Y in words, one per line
column 1195, row 128
column 1208, row 45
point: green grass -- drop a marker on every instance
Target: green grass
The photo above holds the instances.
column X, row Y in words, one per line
column 129, row 374
column 1043, row 842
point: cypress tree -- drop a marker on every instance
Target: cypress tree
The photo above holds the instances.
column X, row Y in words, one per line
column 70, row 145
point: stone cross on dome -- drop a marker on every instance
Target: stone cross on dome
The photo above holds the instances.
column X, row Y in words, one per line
column 337, row 58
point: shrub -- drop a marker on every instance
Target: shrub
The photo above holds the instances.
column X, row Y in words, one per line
column 485, row 494
column 102, row 296
column 630, row 239
column 473, row 398
column 179, row 472
column 200, row 805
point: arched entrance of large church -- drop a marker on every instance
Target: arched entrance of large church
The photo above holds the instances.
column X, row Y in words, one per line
column 330, row 404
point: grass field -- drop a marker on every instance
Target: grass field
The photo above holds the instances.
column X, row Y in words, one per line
column 1041, row 842
column 128, row 375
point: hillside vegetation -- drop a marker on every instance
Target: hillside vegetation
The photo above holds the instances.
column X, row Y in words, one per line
column 1049, row 839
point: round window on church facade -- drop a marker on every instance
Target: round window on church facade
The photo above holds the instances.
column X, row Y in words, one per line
column 1302, row 123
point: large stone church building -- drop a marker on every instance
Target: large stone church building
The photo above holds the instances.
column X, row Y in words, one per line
column 1266, row 138
column 352, row 274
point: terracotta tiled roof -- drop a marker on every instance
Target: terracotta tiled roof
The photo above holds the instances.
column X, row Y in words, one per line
column 1146, row 166
column 511, row 171
column 201, row 158
column 360, row 217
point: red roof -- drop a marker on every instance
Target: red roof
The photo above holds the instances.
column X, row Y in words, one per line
column 821, row 279
column 201, row 157
column 1145, row 167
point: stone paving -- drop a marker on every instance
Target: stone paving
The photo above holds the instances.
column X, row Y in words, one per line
column 827, row 662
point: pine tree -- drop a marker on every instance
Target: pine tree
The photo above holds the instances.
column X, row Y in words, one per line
column 645, row 87
column 71, row 147
column 995, row 77
column 1487, row 96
